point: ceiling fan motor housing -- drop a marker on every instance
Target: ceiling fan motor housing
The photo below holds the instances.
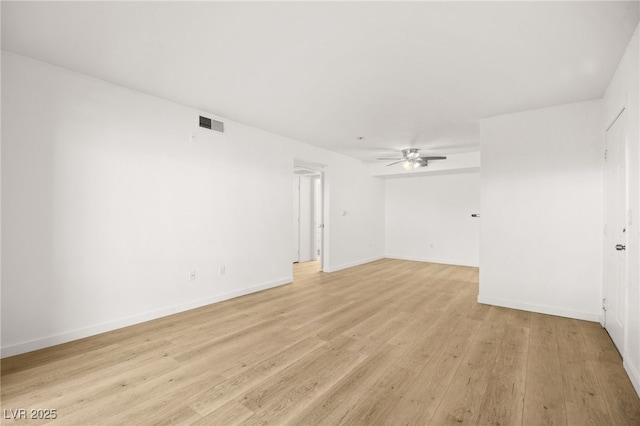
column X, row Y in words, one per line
column 411, row 153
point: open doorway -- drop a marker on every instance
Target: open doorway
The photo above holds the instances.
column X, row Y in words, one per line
column 308, row 209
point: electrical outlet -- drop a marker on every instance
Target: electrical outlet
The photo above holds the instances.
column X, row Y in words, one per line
column 222, row 270
column 192, row 275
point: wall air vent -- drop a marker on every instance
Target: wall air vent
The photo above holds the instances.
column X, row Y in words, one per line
column 208, row 123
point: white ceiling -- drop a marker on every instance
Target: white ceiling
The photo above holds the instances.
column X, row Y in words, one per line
column 415, row 74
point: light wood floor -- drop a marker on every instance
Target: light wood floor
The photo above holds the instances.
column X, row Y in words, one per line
column 387, row 343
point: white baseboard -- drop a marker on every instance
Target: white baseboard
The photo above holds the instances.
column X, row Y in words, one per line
column 69, row 336
column 549, row 310
column 456, row 262
column 632, row 372
column 351, row 264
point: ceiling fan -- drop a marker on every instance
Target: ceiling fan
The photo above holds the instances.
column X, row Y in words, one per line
column 412, row 159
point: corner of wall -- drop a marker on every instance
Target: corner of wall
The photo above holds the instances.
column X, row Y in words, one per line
column 632, row 371
column 541, row 309
column 443, row 261
column 336, row 268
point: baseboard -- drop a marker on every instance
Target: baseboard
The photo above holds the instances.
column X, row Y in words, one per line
column 632, row 372
column 351, row 264
column 57, row 339
column 549, row 310
column 456, row 262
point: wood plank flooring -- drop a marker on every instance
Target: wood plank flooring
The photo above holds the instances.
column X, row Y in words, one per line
column 388, row 343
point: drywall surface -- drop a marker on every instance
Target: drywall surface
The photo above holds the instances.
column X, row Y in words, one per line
column 429, row 219
column 109, row 204
column 623, row 92
column 541, row 210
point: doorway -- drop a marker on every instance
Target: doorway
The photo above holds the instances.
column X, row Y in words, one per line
column 615, row 239
column 308, row 209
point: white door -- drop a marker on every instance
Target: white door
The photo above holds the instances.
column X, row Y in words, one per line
column 317, row 216
column 296, row 219
column 615, row 240
column 305, row 235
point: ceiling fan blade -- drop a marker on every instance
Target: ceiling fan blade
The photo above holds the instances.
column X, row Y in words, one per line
column 396, row 162
column 433, row 158
column 390, row 159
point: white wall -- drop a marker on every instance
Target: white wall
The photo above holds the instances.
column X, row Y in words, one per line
column 623, row 91
column 541, row 214
column 107, row 205
column 429, row 218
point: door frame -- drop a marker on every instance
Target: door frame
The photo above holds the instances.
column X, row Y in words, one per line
column 324, row 197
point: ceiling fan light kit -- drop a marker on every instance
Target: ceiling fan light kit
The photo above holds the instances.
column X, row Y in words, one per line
column 408, row 165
